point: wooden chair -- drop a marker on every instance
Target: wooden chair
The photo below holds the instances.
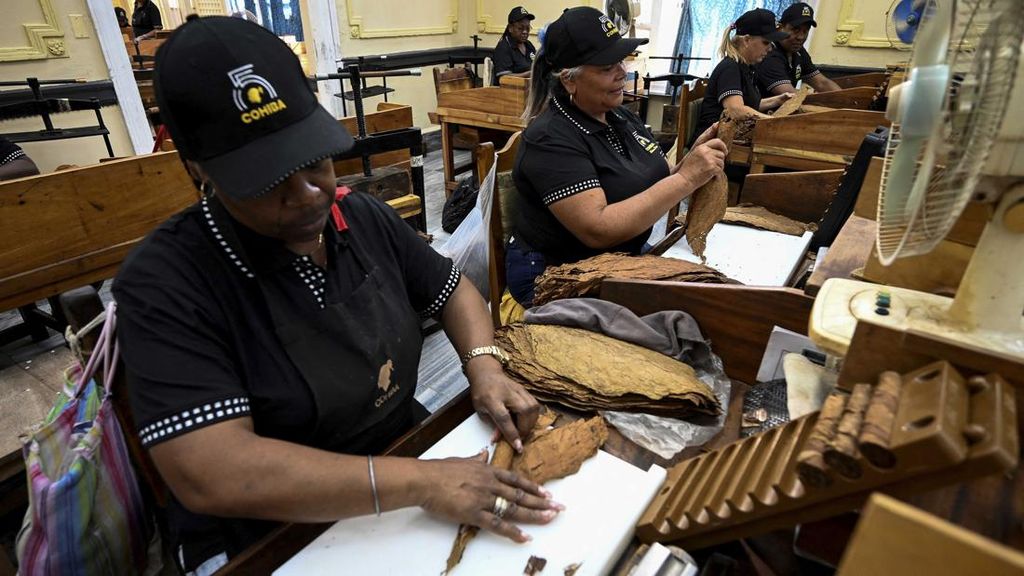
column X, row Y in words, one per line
column 484, row 157
column 449, row 79
column 690, row 100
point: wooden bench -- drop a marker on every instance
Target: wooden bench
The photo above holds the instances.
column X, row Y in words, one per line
column 72, row 228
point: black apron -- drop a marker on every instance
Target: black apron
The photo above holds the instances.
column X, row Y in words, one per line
column 359, row 358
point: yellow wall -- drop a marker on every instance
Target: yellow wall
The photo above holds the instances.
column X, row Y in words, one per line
column 85, row 60
column 824, row 49
column 394, row 18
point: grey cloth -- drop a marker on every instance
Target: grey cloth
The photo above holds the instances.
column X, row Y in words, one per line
column 673, row 333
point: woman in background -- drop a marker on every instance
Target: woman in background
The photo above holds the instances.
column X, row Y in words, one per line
column 733, row 84
column 590, row 177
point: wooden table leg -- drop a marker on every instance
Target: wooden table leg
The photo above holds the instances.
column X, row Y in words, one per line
column 448, row 157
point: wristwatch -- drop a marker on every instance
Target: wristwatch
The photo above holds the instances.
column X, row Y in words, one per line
column 485, row 350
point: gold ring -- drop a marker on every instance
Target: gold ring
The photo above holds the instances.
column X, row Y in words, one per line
column 500, row 507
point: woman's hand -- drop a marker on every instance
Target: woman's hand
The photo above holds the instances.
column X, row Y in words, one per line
column 465, row 490
column 496, row 398
column 704, row 160
column 775, row 101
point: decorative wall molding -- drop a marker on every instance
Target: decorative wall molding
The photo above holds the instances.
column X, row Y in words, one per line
column 850, row 31
column 45, row 40
column 449, row 25
column 495, row 24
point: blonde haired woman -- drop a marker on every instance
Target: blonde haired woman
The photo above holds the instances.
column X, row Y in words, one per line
column 733, row 85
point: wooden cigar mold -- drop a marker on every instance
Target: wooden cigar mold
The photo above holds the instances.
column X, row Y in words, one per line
column 944, row 429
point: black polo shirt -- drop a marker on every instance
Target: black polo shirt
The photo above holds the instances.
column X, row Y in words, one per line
column 779, row 68
column 9, row 151
column 145, row 18
column 729, row 78
column 197, row 339
column 508, row 59
column 199, row 344
column 564, row 152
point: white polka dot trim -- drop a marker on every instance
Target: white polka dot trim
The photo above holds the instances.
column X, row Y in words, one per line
column 728, row 93
column 446, row 292
column 779, row 83
column 193, row 418
column 571, row 119
column 812, row 74
column 224, row 243
column 613, row 139
column 567, row 191
column 13, row 156
column 314, row 278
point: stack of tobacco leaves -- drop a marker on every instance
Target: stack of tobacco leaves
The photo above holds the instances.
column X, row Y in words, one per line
column 589, row 371
column 583, row 278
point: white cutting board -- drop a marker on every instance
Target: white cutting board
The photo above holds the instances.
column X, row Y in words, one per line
column 754, row 257
column 603, row 502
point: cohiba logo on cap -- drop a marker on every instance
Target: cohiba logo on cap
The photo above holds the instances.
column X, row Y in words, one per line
column 806, row 11
column 253, row 95
column 610, row 29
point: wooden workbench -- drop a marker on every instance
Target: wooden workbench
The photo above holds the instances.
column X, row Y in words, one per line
column 497, row 108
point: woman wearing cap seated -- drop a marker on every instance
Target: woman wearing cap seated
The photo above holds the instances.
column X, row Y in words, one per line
column 733, row 83
column 589, row 175
column 514, row 54
column 271, row 335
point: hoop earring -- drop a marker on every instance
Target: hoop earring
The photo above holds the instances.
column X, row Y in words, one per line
column 207, row 189
column 572, row 98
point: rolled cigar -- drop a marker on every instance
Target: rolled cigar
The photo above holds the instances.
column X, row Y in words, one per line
column 876, row 431
column 810, row 463
column 842, row 453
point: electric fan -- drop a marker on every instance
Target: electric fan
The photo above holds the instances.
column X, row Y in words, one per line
column 622, row 13
column 902, row 20
column 957, row 136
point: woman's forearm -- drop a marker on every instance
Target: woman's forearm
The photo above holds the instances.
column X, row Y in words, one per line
column 608, row 225
column 227, row 470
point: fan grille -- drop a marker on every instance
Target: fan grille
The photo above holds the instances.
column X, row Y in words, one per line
column 983, row 53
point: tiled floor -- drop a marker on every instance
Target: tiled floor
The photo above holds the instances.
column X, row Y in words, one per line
column 440, row 379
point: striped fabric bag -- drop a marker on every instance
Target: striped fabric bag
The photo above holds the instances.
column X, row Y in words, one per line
column 86, row 515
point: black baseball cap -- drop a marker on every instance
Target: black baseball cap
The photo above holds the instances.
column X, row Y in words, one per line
column 759, row 22
column 584, row 35
column 235, row 100
column 519, row 13
column 797, row 15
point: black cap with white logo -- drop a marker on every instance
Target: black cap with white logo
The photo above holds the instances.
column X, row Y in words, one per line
column 759, row 22
column 797, row 15
column 519, row 13
column 235, row 100
column 584, row 35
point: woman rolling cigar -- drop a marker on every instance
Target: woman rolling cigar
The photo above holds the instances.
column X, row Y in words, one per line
column 589, row 175
column 271, row 333
column 733, row 84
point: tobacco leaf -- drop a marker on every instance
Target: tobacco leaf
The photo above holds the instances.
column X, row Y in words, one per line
column 793, row 104
column 562, row 451
column 764, row 219
column 583, row 278
column 589, row 371
column 708, row 203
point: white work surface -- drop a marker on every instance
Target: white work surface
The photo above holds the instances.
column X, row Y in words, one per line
column 603, row 502
column 753, row 257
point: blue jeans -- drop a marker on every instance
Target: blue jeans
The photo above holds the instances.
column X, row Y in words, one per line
column 521, row 268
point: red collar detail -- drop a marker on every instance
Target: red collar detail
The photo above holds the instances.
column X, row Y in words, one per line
column 339, row 220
